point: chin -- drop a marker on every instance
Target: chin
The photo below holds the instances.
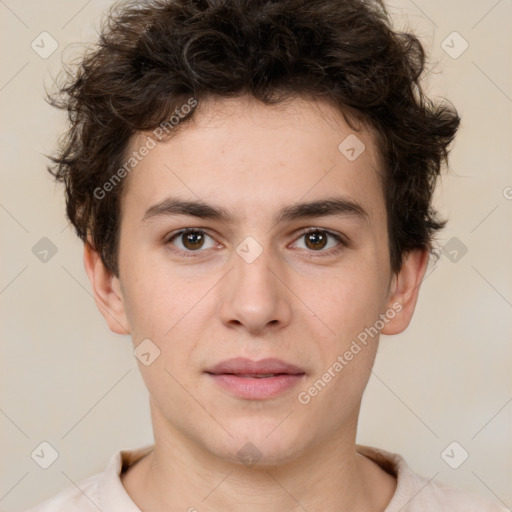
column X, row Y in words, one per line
column 260, row 443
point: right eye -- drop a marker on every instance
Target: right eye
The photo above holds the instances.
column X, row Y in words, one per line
column 191, row 239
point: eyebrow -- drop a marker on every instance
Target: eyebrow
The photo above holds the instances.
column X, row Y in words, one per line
column 339, row 205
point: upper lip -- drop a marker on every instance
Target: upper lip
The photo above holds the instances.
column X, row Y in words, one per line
column 242, row 365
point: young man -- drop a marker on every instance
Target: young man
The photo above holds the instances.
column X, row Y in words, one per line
column 252, row 180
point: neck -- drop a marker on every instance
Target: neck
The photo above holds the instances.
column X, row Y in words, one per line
column 329, row 476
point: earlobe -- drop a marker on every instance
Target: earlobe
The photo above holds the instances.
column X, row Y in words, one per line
column 405, row 290
column 106, row 291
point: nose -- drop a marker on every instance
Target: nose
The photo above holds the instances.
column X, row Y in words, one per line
column 254, row 294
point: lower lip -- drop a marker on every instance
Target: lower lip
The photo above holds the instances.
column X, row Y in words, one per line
column 254, row 388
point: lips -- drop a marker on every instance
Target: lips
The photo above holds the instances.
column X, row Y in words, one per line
column 244, row 367
column 255, row 380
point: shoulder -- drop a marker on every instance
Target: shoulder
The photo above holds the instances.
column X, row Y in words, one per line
column 102, row 491
column 446, row 497
column 415, row 493
column 83, row 497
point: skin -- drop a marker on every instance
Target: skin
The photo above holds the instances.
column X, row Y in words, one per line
column 253, row 159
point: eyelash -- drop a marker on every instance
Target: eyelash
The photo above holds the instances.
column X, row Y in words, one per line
column 194, row 254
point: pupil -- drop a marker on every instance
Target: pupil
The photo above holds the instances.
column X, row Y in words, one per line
column 315, row 237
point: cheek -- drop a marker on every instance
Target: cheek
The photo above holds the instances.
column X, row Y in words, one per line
column 170, row 319
column 151, row 297
column 338, row 386
column 149, row 309
column 350, row 308
column 347, row 299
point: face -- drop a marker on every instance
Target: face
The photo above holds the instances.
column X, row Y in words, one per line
column 257, row 275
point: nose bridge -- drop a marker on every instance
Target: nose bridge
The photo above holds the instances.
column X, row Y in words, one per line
column 254, row 264
column 254, row 296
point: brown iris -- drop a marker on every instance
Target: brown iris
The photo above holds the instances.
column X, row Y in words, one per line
column 317, row 239
column 193, row 240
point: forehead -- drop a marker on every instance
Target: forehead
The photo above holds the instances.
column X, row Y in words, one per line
column 250, row 157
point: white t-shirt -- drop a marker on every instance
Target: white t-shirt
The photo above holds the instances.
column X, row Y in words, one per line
column 414, row 493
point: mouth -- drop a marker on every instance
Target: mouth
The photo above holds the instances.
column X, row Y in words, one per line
column 254, row 375
column 256, row 380
column 268, row 367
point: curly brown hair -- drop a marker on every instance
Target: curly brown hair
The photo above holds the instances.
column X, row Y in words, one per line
column 153, row 56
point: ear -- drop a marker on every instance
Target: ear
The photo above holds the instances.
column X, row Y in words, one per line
column 404, row 290
column 106, row 290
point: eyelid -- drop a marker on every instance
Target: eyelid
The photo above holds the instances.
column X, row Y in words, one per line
column 334, row 234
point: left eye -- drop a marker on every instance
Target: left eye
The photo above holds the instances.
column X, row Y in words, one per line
column 316, row 239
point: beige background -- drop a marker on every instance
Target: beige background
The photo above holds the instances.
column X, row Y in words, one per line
column 69, row 381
